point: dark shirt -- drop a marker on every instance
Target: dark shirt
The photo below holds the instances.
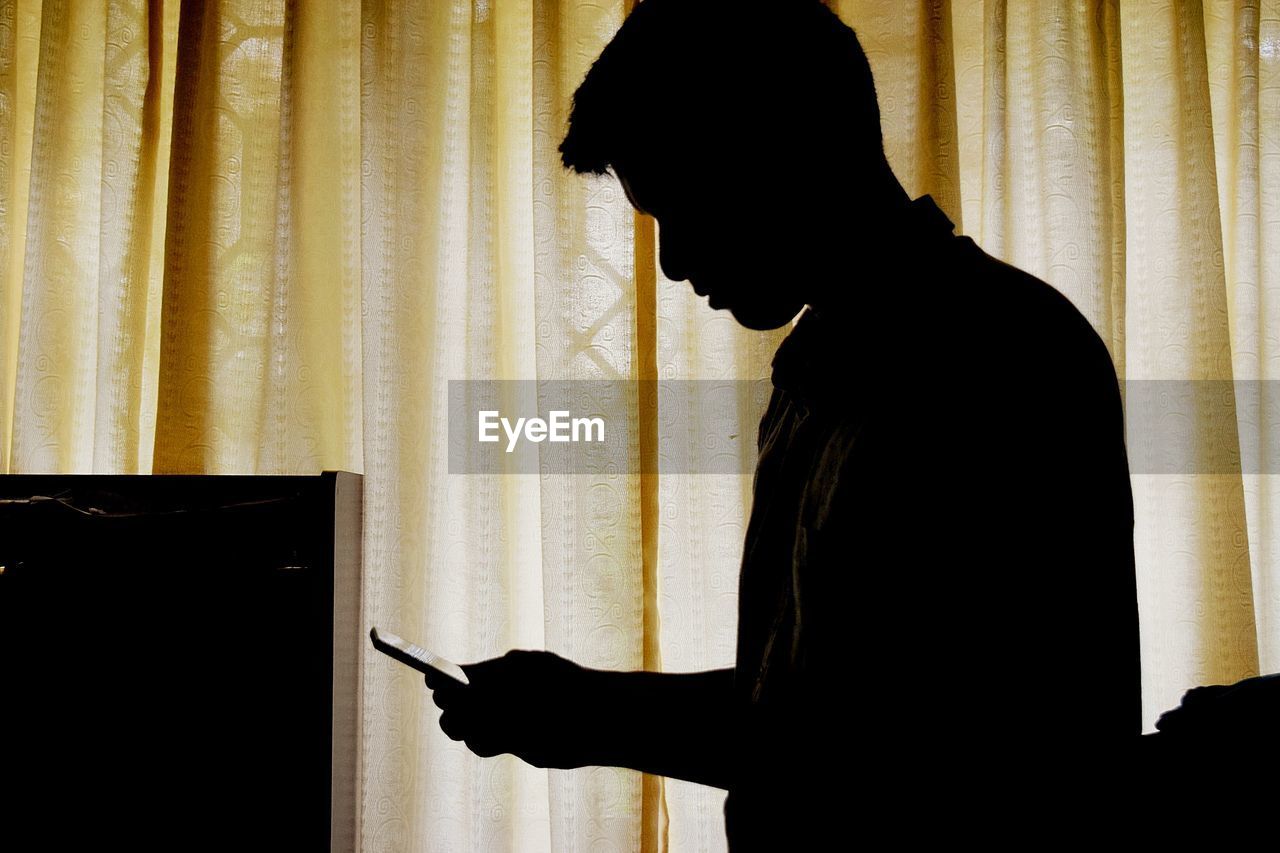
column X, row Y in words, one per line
column 937, row 581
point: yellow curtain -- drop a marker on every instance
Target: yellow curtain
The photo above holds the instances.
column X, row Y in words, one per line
column 261, row 236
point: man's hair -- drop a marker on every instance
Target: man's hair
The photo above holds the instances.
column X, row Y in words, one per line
column 771, row 70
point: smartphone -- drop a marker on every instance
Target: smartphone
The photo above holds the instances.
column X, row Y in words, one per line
column 415, row 656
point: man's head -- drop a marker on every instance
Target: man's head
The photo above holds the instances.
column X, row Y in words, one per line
column 749, row 130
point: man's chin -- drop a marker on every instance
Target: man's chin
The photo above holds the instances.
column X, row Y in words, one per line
column 763, row 318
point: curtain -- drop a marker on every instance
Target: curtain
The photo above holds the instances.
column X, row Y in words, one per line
column 261, row 236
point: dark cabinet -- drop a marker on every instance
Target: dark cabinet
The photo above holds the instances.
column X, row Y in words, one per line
column 180, row 661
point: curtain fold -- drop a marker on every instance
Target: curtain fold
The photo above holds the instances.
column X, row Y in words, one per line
column 19, row 60
column 260, row 368
column 266, row 236
column 1243, row 61
column 1052, row 190
column 84, row 292
column 1194, row 589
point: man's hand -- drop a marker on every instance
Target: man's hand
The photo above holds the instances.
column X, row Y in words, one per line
column 535, row 705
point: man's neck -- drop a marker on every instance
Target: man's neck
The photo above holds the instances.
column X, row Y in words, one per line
column 858, row 278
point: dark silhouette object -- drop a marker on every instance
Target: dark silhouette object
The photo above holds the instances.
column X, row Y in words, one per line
column 1207, row 774
column 1226, row 713
column 938, row 625
column 179, row 662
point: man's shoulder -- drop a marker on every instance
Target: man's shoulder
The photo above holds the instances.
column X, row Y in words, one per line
column 1042, row 377
column 1033, row 325
column 960, row 323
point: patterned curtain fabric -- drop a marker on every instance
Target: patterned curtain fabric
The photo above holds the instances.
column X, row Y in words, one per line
column 261, row 236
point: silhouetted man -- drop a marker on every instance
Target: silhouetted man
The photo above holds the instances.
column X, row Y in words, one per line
column 938, row 621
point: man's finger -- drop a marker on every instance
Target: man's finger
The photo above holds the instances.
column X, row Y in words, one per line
column 456, row 700
column 484, row 747
column 444, row 699
column 451, row 726
column 439, row 681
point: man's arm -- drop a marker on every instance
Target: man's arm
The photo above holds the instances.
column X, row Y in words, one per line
column 552, row 712
column 679, row 725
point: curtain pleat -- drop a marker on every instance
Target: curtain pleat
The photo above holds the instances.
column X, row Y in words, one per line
column 1194, row 588
column 1053, row 161
column 19, row 61
column 260, row 367
column 592, row 554
column 82, row 292
column 435, row 550
column 1243, row 50
column 268, row 236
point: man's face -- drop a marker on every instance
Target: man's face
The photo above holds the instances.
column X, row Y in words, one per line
column 729, row 240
